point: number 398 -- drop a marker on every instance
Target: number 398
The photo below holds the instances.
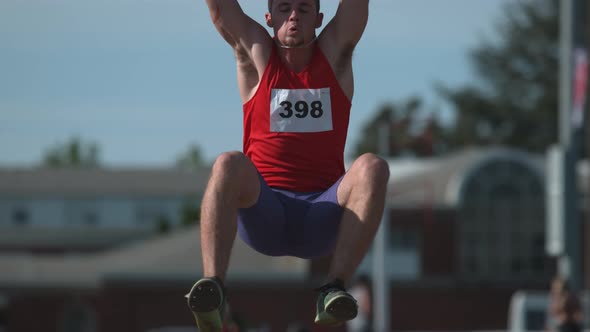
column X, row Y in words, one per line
column 301, row 109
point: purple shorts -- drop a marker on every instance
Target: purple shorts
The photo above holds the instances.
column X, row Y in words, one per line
column 285, row 223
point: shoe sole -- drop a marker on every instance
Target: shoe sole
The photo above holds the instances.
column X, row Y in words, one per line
column 342, row 308
column 204, row 300
column 205, row 296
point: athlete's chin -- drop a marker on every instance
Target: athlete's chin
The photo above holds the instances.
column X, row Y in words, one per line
column 293, row 42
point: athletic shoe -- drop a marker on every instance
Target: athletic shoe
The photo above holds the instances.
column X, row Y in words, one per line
column 206, row 300
column 334, row 305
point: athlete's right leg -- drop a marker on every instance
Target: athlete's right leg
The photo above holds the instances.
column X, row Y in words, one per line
column 234, row 184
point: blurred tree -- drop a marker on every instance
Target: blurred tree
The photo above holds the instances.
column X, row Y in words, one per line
column 163, row 225
column 410, row 134
column 515, row 102
column 191, row 159
column 190, row 213
column 73, row 153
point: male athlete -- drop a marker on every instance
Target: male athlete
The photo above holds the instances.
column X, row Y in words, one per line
column 288, row 193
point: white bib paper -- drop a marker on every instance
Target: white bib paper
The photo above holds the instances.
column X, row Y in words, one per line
column 300, row 110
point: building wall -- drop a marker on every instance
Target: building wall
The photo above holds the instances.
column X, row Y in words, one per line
column 51, row 311
column 89, row 211
column 449, row 308
column 436, row 244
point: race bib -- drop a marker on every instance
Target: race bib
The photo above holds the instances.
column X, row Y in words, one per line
column 300, row 110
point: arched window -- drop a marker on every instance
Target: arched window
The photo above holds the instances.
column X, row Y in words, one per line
column 501, row 222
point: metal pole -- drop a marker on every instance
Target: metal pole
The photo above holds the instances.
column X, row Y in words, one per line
column 570, row 262
column 573, row 215
column 586, row 246
column 572, row 221
column 565, row 93
column 565, row 71
column 381, row 292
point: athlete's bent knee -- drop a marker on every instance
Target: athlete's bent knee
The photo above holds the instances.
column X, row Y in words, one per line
column 235, row 171
column 373, row 168
column 228, row 162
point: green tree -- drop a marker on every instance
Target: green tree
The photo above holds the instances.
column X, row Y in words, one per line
column 515, row 101
column 191, row 159
column 410, row 133
column 74, row 153
column 190, row 213
column 163, row 225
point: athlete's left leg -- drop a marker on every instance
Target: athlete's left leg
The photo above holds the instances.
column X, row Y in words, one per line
column 361, row 194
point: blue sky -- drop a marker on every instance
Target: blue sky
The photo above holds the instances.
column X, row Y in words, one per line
column 145, row 79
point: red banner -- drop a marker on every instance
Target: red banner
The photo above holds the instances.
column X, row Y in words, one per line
column 580, row 83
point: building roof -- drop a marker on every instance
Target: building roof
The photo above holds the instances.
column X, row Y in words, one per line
column 174, row 256
column 73, row 237
column 437, row 182
column 101, row 181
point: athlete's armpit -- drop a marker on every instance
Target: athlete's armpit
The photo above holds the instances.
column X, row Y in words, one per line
column 346, row 27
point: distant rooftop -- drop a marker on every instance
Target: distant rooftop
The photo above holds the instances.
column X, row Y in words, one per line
column 173, row 256
column 437, row 181
column 100, row 181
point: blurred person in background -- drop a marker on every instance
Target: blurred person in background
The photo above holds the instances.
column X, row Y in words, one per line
column 287, row 193
column 564, row 313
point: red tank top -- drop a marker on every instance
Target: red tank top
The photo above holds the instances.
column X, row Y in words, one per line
column 295, row 125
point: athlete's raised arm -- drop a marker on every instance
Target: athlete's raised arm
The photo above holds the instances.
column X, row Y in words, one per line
column 340, row 37
column 346, row 27
column 251, row 42
column 237, row 28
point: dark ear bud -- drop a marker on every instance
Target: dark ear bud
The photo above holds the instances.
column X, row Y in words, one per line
column 269, row 23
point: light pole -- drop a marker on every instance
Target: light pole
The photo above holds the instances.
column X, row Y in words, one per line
column 381, row 291
column 572, row 103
